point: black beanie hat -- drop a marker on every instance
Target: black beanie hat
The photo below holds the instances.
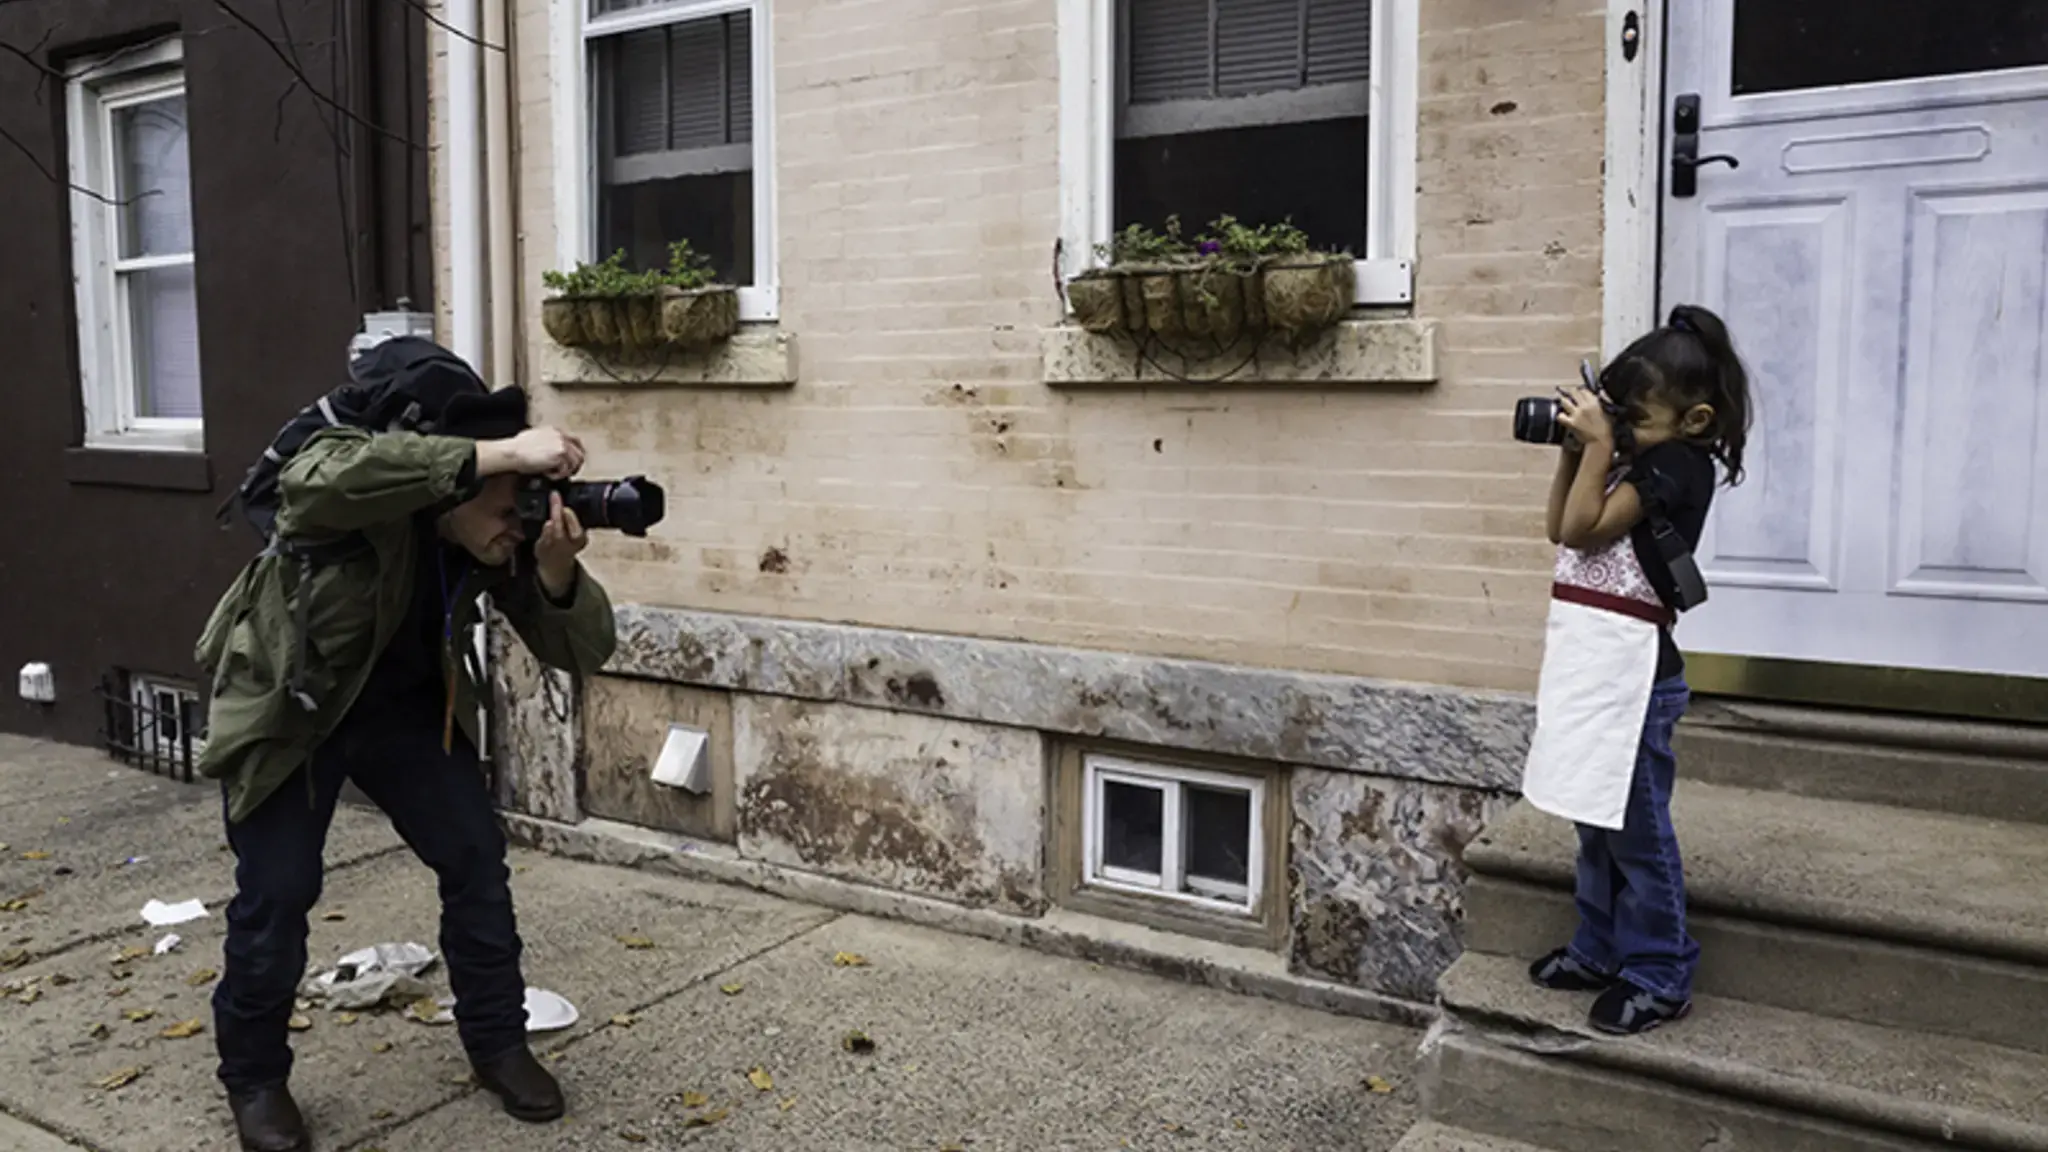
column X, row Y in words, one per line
column 497, row 415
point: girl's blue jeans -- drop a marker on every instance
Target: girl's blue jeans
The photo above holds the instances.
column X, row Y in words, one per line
column 1631, row 885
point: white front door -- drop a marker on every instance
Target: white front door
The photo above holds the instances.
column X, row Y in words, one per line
column 1880, row 256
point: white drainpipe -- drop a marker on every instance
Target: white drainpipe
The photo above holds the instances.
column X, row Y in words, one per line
column 498, row 169
column 461, row 143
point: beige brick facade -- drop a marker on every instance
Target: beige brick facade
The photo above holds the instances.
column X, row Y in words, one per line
column 921, row 476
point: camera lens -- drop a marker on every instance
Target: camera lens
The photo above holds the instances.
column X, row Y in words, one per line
column 1536, row 420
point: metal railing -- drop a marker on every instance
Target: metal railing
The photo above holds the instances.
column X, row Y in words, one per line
column 144, row 734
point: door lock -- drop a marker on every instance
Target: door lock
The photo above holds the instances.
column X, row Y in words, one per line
column 1686, row 160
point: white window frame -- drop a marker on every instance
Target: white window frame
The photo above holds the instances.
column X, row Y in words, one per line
column 1169, row 779
column 574, row 92
column 106, row 360
column 1088, row 94
column 143, row 693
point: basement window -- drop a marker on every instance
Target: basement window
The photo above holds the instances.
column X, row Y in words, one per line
column 1182, row 833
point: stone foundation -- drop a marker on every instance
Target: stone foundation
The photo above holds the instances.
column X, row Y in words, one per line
column 919, row 764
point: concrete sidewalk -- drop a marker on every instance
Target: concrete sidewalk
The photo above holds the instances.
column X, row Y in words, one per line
column 685, row 989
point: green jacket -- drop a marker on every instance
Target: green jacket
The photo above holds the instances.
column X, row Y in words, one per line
column 343, row 481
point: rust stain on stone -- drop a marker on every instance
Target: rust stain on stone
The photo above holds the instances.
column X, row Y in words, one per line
column 1329, row 937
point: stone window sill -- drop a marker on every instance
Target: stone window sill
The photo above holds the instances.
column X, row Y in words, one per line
column 757, row 356
column 120, row 468
column 1364, row 351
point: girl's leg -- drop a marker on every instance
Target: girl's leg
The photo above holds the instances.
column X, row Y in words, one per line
column 1656, row 952
column 1599, row 886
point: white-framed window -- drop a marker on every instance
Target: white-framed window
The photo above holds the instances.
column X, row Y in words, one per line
column 1185, row 834
column 131, row 243
column 667, row 110
column 1265, row 110
column 162, row 711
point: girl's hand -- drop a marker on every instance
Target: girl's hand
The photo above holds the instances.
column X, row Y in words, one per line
column 1580, row 412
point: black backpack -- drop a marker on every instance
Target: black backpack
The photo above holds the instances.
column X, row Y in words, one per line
column 402, row 384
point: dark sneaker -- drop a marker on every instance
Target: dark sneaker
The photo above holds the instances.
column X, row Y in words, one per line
column 1561, row 972
column 1626, row 1010
column 528, row 1092
column 267, row 1120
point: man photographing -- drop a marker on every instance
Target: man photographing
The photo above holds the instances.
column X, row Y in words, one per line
column 343, row 653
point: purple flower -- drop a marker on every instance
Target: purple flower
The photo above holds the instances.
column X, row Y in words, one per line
column 1210, row 247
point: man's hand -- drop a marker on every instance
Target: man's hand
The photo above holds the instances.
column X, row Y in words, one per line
column 561, row 538
column 535, row 452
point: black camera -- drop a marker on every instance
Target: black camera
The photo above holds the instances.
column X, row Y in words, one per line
column 1537, row 418
column 632, row 505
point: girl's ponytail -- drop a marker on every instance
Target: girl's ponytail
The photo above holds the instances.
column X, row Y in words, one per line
column 1729, row 386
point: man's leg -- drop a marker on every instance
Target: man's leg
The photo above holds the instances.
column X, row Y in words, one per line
column 277, row 881
column 439, row 804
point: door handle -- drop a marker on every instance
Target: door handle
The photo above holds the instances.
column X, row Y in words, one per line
column 1686, row 160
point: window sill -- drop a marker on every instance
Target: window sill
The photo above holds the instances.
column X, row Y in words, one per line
column 1363, row 351
column 757, row 356
column 132, row 468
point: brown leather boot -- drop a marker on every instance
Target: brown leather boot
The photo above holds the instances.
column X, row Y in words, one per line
column 527, row 1090
column 268, row 1120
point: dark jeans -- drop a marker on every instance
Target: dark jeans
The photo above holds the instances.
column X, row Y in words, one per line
column 439, row 804
column 1631, row 887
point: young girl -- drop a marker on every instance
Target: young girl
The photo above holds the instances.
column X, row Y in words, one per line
column 1613, row 684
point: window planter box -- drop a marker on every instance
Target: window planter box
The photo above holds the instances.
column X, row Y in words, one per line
column 1297, row 296
column 672, row 318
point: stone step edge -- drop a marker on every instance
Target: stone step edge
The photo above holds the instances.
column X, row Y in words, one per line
column 1933, row 735
column 1716, row 1076
column 1484, row 858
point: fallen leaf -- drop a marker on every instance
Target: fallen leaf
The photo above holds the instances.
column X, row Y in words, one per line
column 761, row 1080
column 625, row 1020
column 788, row 1102
column 346, row 1017
column 183, row 1030
column 335, row 917
column 30, row 996
column 556, row 1057
column 425, row 1010
column 707, row 1119
column 382, row 1114
column 639, row 942
column 695, row 1099
column 117, row 1080
column 40, row 856
column 14, row 905
column 138, row 1015
column 1378, row 1085
column 117, row 990
column 381, row 1047
column 858, row 1043
column 202, row 977
column 98, row 1031
column 732, row 989
column 59, row 979
column 299, row 1023
column 302, row 1005
column 462, row 1078
column 849, row 960
column 132, row 953
column 911, row 1067
column 63, row 820
column 632, row 1137
column 1239, row 1124
column 12, row 958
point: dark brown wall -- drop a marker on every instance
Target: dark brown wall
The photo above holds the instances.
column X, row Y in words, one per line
column 108, row 561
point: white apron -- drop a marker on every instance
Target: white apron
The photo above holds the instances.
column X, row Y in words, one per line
column 1599, row 661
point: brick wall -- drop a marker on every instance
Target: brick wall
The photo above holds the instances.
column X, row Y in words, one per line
column 920, row 475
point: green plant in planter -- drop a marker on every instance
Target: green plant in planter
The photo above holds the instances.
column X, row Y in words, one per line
column 1234, row 278
column 608, row 304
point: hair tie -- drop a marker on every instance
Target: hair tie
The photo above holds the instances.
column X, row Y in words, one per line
column 1681, row 324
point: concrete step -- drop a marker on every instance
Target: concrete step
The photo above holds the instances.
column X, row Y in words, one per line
column 1914, row 919
column 1520, row 1061
column 1432, row 1137
column 1993, row 771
